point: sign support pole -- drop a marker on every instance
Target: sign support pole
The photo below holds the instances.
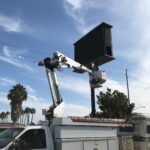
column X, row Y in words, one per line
column 93, row 110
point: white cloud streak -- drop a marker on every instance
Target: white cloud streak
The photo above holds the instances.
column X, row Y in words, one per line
column 75, row 10
column 30, row 89
column 75, row 4
column 10, row 24
column 12, row 57
column 3, row 99
column 76, row 110
column 17, row 25
column 82, row 86
column 74, row 84
column 5, row 81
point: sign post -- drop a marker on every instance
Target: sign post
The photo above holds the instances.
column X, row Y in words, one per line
column 95, row 48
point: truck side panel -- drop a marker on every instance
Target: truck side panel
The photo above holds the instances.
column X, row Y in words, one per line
column 100, row 144
column 69, row 137
column 69, row 145
column 84, row 131
column 113, row 144
column 87, row 144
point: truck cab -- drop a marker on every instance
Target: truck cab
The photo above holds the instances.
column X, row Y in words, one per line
column 24, row 138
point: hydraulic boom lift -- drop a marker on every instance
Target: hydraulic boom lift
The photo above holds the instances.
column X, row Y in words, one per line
column 57, row 62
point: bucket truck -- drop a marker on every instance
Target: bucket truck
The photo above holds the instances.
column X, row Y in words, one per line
column 64, row 133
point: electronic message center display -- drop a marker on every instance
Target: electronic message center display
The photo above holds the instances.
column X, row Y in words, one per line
column 95, row 46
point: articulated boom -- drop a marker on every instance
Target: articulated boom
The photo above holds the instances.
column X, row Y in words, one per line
column 59, row 61
column 68, row 62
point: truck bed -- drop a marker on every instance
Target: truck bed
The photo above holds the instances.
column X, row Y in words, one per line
column 73, row 134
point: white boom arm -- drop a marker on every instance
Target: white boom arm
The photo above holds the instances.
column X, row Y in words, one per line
column 68, row 62
column 61, row 61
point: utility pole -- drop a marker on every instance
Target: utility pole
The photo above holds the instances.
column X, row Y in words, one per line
column 127, row 85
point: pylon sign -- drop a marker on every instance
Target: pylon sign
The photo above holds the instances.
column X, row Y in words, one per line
column 95, row 46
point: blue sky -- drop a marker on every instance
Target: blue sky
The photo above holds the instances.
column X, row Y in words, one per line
column 32, row 30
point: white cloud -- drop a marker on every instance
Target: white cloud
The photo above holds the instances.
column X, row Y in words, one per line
column 76, row 110
column 5, row 81
column 75, row 4
column 75, row 10
column 82, row 86
column 12, row 56
column 87, row 14
column 30, row 89
column 13, row 52
column 3, row 99
column 6, row 51
column 139, row 92
column 17, row 25
column 10, row 24
column 114, row 85
column 74, row 84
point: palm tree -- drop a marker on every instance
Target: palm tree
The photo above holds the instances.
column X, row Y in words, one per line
column 21, row 116
column 2, row 116
column 33, row 111
column 27, row 111
column 7, row 114
column 16, row 95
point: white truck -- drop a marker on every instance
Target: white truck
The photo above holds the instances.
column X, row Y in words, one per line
column 63, row 133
